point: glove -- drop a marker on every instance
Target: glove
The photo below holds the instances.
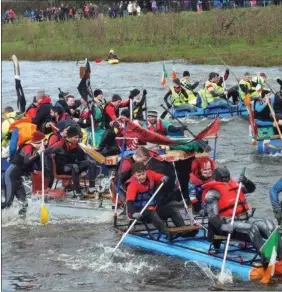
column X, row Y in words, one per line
column 137, row 216
column 144, row 92
column 165, row 179
column 115, row 125
column 227, row 228
column 242, row 179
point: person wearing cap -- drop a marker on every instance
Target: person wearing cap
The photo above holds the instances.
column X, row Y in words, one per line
column 25, row 160
column 108, row 145
column 70, row 159
column 43, row 110
column 219, row 196
column 138, row 103
column 186, row 83
column 212, row 94
column 178, row 95
column 111, row 110
column 163, row 127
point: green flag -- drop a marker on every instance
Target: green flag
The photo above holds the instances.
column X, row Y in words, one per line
column 272, row 241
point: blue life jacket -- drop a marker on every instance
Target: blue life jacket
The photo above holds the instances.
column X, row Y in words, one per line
column 142, row 199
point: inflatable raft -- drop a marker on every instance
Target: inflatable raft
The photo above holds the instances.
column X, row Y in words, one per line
column 212, row 112
column 113, row 61
column 242, row 260
column 269, row 145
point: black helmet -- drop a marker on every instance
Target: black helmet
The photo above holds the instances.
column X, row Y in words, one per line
column 221, row 174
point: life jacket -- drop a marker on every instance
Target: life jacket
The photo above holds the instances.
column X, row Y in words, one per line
column 277, row 105
column 142, row 198
column 18, row 159
column 264, row 115
column 158, row 128
column 251, row 90
column 192, row 99
column 107, row 118
column 85, row 114
column 57, row 136
column 206, row 96
column 31, row 111
column 177, row 97
column 228, row 194
column 25, row 128
column 8, row 120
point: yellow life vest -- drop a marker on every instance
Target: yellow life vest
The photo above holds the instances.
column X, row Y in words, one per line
column 177, row 98
column 192, row 99
column 206, row 95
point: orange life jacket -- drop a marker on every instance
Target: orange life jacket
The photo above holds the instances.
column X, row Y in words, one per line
column 228, row 194
column 25, row 128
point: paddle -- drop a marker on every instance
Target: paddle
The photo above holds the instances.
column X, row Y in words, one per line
column 221, row 276
column 202, row 143
column 44, row 214
column 92, row 129
column 274, row 118
column 134, row 222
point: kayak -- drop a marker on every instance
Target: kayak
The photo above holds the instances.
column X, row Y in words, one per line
column 212, row 112
column 269, row 145
column 113, row 61
column 242, row 260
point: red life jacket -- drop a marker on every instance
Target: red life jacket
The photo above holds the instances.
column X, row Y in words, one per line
column 195, row 180
column 159, row 128
column 228, row 194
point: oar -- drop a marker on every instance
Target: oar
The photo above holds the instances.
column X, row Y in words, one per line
column 221, row 279
column 93, row 129
column 202, row 143
column 44, row 214
column 274, row 118
column 134, row 222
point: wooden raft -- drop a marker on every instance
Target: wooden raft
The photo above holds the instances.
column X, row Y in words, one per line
column 184, row 229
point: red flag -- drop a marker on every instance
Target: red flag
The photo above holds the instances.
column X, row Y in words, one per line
column 135, row 131
column 211, row 129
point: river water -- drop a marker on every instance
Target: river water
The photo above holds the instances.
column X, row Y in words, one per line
column 71, row 254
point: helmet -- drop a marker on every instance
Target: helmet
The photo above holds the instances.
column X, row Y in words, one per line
column 112, row 51
column 221, row 174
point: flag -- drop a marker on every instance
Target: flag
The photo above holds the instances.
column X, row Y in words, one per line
column 164, row 76
column 84, row 87
column 269, row 250
column 174, row 75
column 211, row 129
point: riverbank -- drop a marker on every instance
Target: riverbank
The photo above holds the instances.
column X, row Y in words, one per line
column 249, row 37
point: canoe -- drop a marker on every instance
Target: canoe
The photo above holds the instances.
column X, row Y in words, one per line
column 269, row 145
column 242, row 261
column 212, row 112
column 113, row 61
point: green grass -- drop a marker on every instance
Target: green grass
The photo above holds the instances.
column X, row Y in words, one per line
column 241, row 37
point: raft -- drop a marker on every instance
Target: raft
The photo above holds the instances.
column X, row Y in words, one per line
column 113, row 61
column 269, row 145
column 212, row 112
column 242, row 260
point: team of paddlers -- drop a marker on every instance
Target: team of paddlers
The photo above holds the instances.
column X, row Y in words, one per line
column 57, row 129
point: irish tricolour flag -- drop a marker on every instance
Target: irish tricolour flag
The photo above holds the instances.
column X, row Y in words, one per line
column 164, row 76
column 269, row 249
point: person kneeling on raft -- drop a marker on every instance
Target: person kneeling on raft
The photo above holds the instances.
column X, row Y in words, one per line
column 140, row 188
column 219, row 196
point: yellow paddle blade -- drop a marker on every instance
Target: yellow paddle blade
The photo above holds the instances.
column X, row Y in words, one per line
column 247, row 100
column 44, row 214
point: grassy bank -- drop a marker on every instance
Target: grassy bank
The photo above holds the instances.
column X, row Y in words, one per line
column 250, row 36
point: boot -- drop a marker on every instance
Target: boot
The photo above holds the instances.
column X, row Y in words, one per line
column 23, row 208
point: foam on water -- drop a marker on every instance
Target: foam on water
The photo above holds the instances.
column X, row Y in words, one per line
column 98, row 259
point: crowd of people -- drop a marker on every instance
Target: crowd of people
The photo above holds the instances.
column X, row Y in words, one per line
column 128, row 8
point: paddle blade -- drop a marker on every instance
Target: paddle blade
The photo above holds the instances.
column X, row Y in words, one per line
column 44, row 214
column 247, row 100
column 98, row 60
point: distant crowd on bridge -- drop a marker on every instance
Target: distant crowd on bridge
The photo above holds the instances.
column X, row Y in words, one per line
column 127, row 8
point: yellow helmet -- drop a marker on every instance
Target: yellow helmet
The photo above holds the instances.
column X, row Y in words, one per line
column 112, row 51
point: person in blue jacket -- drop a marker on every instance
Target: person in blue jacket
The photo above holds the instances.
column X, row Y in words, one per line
column 274, row 192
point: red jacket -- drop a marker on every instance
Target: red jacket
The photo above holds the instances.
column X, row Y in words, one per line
column 111, row 112
column 158, row 128
column 135, row 187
